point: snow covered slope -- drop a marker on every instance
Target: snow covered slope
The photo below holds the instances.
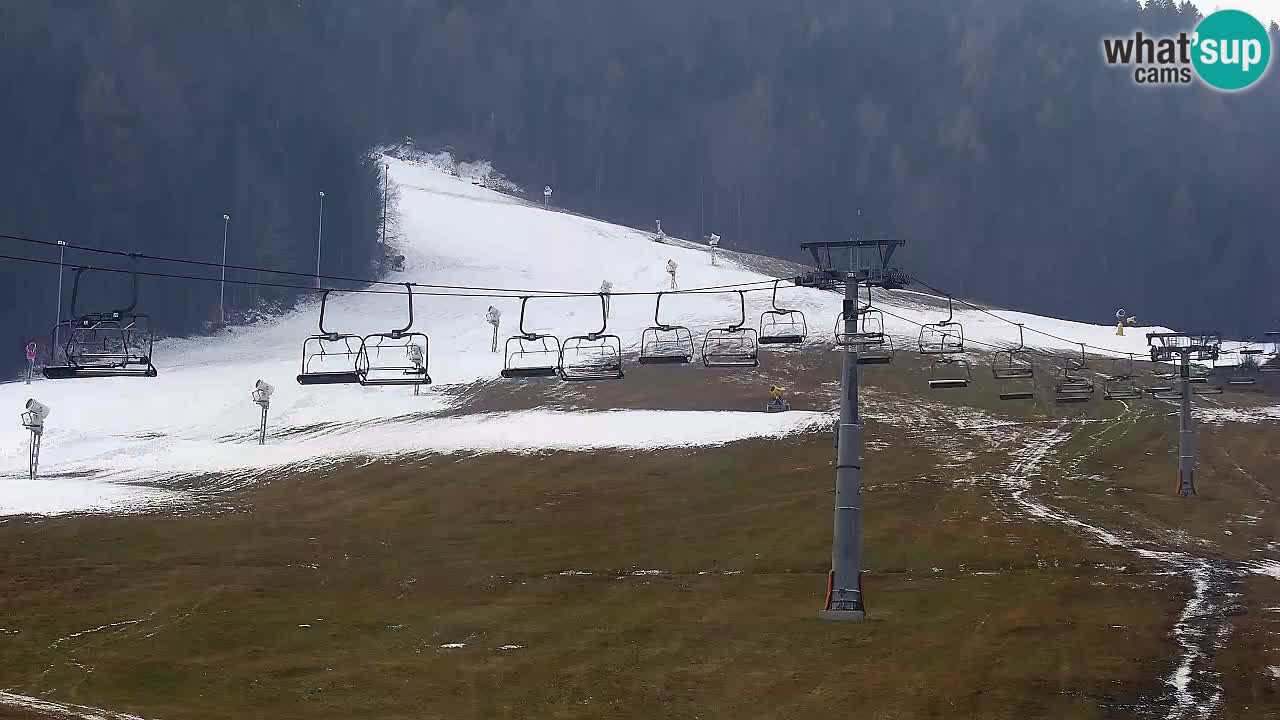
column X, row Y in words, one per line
column 196, row 417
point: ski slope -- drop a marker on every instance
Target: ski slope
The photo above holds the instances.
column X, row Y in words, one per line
column 109, row 441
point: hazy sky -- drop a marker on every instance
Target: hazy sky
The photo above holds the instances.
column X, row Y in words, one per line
column 1265, row 10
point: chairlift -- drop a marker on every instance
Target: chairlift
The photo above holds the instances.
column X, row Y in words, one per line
column 1272, row 364
column 874, row 346
column 530, row 354
column 1073, row 388
column 942, row 338
column 664, row 344
column 732, row 345
column 1120, row 385
column 1080, row 364
column 947, row 371
column 779, row 326
column 1200, row 374
column 1014, row 366
column 117, row 343
column 398, row 357
column 593, row 356
column 1246, row 368
column 330, row 358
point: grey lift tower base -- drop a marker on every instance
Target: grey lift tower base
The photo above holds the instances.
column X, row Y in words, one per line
column 844, row 584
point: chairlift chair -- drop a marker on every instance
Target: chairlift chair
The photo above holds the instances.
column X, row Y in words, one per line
column 1081, row 363
column 942, row 338
column 530, row 354
column 1073, row 388
column 1246, row 368
column 732, row 345
column 398, row 357
column 117, row 343
column 1272, row 364
column 874, row 346
column 949, row 371
column 593, row 356
column 663, row 344
column 1120, row 385
column 779, row 326
column 1013, row 366
column 330, row 358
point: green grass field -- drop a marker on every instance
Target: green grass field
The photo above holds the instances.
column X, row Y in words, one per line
column 681, row 584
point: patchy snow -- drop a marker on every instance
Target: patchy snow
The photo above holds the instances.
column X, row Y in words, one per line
column 1220, row 415
column 60, row 710
column 196, row 417
column 56, row 496
column 1270, row 568
column 510, row 647
column 452, row 646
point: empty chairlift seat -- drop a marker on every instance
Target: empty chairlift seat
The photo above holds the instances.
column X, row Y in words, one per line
column 1016, row 371
column 1073, row 388
column 1246, row 369
column 330, row 358
column 950, row 371
column 594, row 355
column 780, row 326
column 398, row 357
column 865, row 335
column 1120, row 385
column 663, row 344
column 733, row 345
column 117, row 343
column 530, row 354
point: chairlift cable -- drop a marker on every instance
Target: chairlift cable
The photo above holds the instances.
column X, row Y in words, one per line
column 766, row 285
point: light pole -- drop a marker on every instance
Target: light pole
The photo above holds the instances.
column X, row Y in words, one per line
column 319, row 236
column 386, row 181
column 222, row 286
column 57, row 320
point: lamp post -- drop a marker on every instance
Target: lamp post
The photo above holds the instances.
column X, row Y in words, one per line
column 57, row 320
column 386, row 182
column 319, row 237
column 222, row 286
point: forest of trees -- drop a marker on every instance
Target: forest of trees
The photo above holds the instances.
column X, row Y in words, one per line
column 1020, row 168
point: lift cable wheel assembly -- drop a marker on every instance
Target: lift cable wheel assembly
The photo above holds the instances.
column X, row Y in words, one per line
column 732, row 345
column 116, row 343
column 530, row 354
column 663, row 344
column 592, row 356
column 780, row 326
column 396, row 357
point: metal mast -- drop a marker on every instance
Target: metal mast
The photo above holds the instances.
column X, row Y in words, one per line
column 845, row 599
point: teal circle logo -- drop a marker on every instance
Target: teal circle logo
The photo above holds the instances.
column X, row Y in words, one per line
column 1231, row 50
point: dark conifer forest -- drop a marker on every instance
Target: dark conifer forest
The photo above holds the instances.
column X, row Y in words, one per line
column 990, row 134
